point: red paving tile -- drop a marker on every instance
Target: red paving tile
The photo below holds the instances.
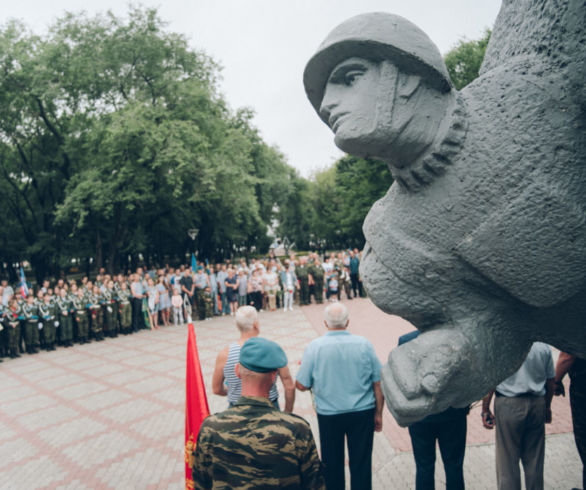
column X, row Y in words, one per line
column 383, row 331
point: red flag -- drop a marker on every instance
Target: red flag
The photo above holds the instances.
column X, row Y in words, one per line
column 196, row 404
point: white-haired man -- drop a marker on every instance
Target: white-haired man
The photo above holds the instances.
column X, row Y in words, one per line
column 343, row 372
column 224, row 380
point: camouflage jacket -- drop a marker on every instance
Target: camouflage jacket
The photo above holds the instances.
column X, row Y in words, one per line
column 254, row 445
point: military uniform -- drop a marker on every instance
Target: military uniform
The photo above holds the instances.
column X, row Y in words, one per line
column 81, row 318
column 302, row 272
column 208, row 304
column 63, row 311
column 3, row 332
column 12, row 330
column 110, row 313
column 47, row 317
column 125, row 310
column 30, row 316
column 97, row 318
column 317, row 273
column 254, row 445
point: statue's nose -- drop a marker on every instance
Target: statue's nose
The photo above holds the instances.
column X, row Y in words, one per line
column 328, row 102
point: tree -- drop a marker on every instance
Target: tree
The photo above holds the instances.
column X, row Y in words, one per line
column 114, row 141
column 341, row 197
column 464, row 60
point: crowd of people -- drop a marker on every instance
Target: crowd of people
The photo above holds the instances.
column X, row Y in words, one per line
column 253, row 444
column 67, row 310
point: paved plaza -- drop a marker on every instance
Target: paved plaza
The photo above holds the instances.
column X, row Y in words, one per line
column 111, row 414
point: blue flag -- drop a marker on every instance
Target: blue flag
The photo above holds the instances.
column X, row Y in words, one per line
column 193, row 263
column 23, row 286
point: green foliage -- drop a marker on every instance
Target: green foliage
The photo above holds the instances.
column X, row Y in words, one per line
column 330, row 209
column 464, row 60
column 114, row 141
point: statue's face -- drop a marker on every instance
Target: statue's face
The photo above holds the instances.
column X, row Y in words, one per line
column 349, row 102
column 375, row 109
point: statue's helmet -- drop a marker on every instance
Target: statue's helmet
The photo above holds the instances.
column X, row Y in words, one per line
column 376, row 36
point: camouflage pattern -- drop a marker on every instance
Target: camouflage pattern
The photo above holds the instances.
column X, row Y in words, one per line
column 317, row 273
column 200, row 301
column 81, row 318
column 47, row 317
column 31, row 327
column 109, row 311
column 208, row 304
column 97, row 317
column 11, row 322
column 65, row 320
column 125, row 310
column 3, row 332
column 254, row 445
column 302, row 272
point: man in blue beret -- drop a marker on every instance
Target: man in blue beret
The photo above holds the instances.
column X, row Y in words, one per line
column 253, row 444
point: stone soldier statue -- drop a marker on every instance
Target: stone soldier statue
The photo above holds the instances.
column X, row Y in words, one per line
column 481, row 240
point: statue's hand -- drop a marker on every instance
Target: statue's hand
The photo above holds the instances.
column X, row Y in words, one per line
column 428, row 375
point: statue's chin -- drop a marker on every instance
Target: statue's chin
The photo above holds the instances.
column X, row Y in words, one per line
column 363, row 145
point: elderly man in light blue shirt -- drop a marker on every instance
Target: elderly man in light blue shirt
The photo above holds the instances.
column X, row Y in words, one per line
column 343, row 372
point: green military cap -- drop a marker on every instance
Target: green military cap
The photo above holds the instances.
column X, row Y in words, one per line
column 262, row 355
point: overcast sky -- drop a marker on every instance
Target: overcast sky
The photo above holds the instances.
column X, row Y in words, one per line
column 263, row 46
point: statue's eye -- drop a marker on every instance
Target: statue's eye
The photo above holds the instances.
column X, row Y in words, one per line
column 351, row 76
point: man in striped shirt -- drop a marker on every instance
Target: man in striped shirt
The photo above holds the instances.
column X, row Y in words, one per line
column 224, row 380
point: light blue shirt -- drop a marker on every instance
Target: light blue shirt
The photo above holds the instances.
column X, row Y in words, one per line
column 340, row 368
column 532, row 375
column 221, row 278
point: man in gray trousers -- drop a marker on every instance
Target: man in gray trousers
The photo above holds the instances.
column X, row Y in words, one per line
column 522, row 408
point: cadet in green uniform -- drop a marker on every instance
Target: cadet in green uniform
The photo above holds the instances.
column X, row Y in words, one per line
column 109, row 310
column 317, row 272
column 253, row 444
column 302, row 273
column 3, row 331
column 97, row 318
column 47, row 318
column 124, row 308
column 31, row 325
column 80, row 304
column 12, row 326
column 208, row 303
column 63, row 310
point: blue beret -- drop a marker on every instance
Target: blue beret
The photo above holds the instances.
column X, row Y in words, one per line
column 262, row 355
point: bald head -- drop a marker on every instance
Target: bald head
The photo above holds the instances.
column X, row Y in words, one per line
column 336, row 316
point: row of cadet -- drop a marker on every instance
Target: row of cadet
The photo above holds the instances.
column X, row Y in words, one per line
column 64, row 314
column 70, row 312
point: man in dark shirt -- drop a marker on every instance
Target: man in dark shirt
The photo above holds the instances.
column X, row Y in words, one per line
column 187, row 290
column 448, row 428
